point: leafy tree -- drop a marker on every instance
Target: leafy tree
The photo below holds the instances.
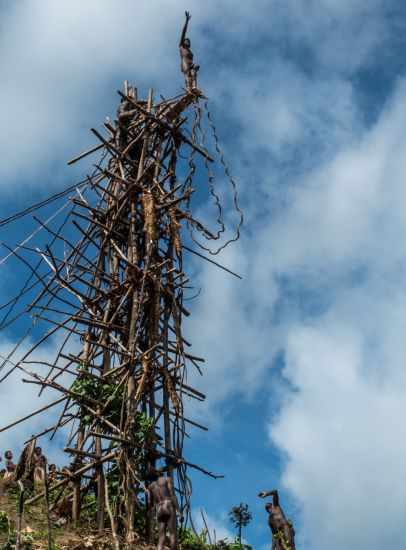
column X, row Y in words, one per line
column 240, row 516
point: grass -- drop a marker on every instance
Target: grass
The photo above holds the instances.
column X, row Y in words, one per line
column 85, row 536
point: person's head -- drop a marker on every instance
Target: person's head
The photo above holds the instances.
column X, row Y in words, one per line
column 38, row 451
column 8, row 455
column 269, row 508
column 186, row 42
column 52, row 467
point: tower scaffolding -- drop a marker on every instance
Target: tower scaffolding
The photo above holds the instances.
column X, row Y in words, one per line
column 115, row 291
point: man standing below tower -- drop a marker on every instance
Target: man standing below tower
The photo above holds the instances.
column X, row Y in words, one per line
column 10, row 466
column 39, row 461
column 161, row 495
column 283, row 534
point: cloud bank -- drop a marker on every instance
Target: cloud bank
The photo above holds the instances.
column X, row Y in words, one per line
column 322, row 186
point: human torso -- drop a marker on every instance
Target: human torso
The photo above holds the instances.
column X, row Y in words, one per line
column 10, row 466
column 276, row 519
column 39, row 460
column 186, row 58
column 160, row 490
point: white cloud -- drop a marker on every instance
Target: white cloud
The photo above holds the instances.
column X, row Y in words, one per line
column 356, row 198
column 229, row 328
column 57, row 62
column 339, row 35
column 335, row 232
column 337, row 235
column 18, row 399
column 340, row 431
column 339, row 428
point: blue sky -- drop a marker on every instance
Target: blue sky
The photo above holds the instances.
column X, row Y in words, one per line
column 305, row 356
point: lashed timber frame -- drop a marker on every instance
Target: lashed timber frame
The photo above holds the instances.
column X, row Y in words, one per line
column 117, row 292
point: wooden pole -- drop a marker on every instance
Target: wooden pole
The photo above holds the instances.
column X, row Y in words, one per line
column 46, row 491
column 124, row 279
column 20, row 513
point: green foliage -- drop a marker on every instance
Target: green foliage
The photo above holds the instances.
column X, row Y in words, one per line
column 188, row 540
column 4, row 522
column 235, row 545
column 142, row 427
column 10, row 544
column 112, row 477
column 99, row 390
column 89, row 506
column 27, row 540
column 140, row 518
column 144, row 424
column 240, row 515
column 281, row 537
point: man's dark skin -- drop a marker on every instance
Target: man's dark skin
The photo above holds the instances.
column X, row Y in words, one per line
column 38, row 457
column 161, row 494
column 8, row 473
column 52, row 473
column 188, row 68
column 10, row 466
column 39, row 464
column 278, row 523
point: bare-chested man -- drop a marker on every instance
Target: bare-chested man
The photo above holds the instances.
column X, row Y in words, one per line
column 52, row 473
column 283, row 534
column 10, row 466
column 7, row 480
column 161, row 495
column 188, row 68
column 39, row 465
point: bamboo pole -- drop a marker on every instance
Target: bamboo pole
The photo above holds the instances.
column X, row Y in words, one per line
column 38, row 411
column 84, row 469
column 112, row 522
column 127, row 277
column 46, row 491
